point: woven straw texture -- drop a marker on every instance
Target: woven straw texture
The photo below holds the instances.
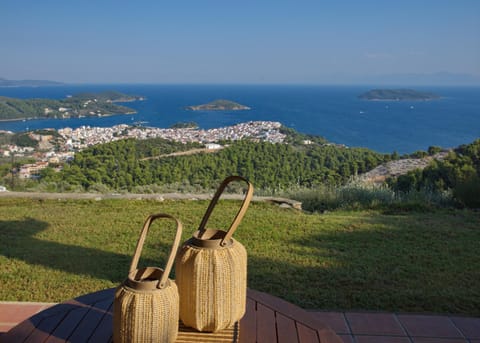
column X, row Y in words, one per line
column 145, row 316
column 212, row 285
column 189, row 335
column 146, row 304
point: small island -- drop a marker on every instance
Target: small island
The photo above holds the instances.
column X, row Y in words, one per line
column 219, row 105
column 397, row 95
column 77, row 106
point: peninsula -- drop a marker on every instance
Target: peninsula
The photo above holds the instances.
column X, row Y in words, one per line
column 219, row 105
column 397, row 95
column 81, row 105
column 28, row 83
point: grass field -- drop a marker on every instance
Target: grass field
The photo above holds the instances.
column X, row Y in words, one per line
column 53, row 250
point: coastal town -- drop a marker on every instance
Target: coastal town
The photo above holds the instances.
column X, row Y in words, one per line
column 52, row 151
column 85, row 136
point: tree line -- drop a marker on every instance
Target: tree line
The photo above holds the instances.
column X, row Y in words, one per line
column 122, row 165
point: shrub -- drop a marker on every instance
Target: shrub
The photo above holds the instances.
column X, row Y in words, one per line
column 356, row 197
column 467, row 192
column 52, row 187
column 318, row 200
column 98, row 188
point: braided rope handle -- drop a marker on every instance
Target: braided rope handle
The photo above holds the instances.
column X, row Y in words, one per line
column 240, row 213
column 141, row 241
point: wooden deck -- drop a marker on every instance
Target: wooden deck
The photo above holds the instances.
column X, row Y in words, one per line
column 89, row 319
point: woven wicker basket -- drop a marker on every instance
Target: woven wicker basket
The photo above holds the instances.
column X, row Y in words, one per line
column 146, row 305
column 211, row 272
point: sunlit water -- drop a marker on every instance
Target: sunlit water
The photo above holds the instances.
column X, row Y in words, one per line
column 329, row 111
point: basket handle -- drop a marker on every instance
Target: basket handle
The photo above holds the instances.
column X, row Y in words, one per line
column 240, row 213
column 173, row 252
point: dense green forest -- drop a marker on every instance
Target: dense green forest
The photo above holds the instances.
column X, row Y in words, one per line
column 11, row 108
column 122, row 165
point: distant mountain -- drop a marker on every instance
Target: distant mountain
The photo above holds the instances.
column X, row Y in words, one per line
column 28, row 83
column 219, row 105
column 397, row 95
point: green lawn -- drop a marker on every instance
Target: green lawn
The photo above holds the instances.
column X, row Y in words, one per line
column 422, row 262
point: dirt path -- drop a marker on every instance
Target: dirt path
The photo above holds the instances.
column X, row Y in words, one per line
column 183, row 153
column 283, row 202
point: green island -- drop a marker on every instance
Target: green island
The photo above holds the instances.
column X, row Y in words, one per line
column 397, row 95
column 80, row 105
column 219, row 105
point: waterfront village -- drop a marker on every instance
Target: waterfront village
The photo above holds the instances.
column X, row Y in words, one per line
column 74, row 140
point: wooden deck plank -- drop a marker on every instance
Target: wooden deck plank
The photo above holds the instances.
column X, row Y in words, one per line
column 90, row 322
column 45, row 327
column 288, row 309
column 104, row 330
column 248, row 324
column 266, row 325
column 20, row 332
column 328, row 336
column 296, row 313
column 306, row 334
column 267, row 319
column 68, row 324
column 286, row 329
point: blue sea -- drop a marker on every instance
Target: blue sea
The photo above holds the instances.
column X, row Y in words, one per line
column 333, row 112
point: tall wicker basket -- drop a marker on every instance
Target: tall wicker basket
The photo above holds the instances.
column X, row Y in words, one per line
column 146, row 305
column 211, row 272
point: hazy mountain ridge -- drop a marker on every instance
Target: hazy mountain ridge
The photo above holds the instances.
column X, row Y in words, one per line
column 28, row 83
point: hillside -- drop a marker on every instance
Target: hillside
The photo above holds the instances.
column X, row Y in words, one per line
column 393, row 169
column 82, row 105
column 130, row 165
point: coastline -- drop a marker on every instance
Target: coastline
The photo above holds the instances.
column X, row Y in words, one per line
column 90, row 116
column 17, row 119
column 129, row 100
column 331, row 112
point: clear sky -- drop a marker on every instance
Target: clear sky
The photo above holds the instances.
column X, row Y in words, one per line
column 260, row 41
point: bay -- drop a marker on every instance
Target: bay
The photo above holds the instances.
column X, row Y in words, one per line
column 333, row 112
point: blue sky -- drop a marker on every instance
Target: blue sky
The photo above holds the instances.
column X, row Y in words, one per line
column 240, row 41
